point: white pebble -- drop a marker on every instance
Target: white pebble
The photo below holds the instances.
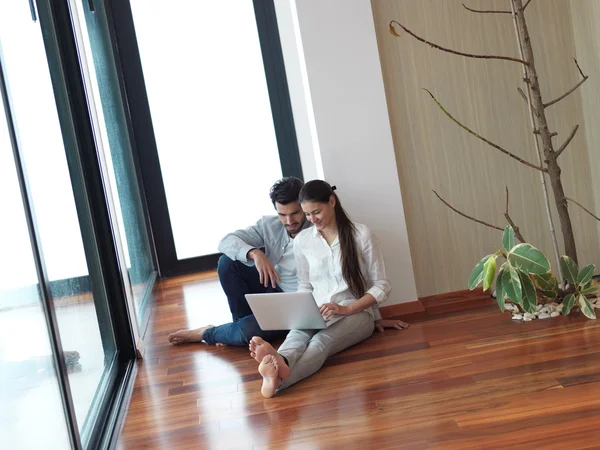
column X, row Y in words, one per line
column 527, row 319
column 554, row 314
column 529, row 316
column 544, row 315
column 517, row 317
column 539, row 307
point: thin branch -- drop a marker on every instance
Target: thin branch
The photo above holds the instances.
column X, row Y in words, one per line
column 579, row 68
column 485, row 12
column 570, row 91
column 522, row 94
column 444, row 49
column 583, row 207
column 526, row 5
column 466, row 216
column 568, row 141
column 511, row 222
column 496, row 146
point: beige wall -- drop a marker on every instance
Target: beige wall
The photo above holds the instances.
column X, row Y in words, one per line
column 433, row 153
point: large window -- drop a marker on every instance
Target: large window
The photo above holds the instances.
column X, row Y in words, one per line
column 66, row 345
column 215, row 97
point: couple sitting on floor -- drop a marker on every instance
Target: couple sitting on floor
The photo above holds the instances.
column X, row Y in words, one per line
column 337, row 260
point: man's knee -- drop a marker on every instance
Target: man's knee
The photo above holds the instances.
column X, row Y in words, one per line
column 225, row 265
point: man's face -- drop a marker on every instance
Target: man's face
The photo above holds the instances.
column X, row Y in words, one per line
column 291, row 216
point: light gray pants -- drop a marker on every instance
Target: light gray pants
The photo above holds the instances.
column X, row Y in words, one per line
column 307, row 350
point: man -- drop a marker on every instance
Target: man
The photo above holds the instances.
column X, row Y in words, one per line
column 259, row 259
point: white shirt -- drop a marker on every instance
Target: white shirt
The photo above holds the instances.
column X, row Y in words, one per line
column 286, row 267
column 319, row 267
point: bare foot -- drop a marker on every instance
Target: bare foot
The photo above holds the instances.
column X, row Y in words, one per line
column 270, row 372
column 259, row 348
column 186, row 336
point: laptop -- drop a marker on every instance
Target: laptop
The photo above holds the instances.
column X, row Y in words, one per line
column 288, row 311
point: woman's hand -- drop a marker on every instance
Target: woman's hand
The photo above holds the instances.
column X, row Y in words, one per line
column 381, row 324
column 330, row 309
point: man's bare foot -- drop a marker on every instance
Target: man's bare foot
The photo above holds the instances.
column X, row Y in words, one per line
column 270, row 372
column 186, row 336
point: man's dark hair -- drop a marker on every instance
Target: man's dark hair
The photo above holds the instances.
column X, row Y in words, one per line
column 286, row 190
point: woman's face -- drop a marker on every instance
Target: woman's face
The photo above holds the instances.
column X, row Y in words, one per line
column 322, row 215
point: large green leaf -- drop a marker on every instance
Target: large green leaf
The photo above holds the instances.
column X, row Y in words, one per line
column 568, row 303
column 477, row 273
column 545, row 282
column 585, row 306
column 529, row 259
column 511, row 284
column 508, row 238
column 585, row 274
column 569, row 269
column 529, row 293
column 500, row 289
column 589, row 288
column 489, row 270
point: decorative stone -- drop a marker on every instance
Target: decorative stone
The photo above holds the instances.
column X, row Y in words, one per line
column 554, row 314
column 527, row 319
column 517, row 317
column 544, row 315
column 528, row 316
column 539, row 307
column 509, row 307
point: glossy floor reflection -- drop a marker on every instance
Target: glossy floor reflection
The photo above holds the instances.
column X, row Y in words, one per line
column 462, row 376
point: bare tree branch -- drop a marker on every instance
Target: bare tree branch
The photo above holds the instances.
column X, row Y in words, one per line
column 520, row 91
column 444, row 49
column 568, row 141
column 583, row 207
column 511, row 222
column 526, row 5
column 485, row 12
column 570, row 91
column 466, row 216
column 496, row 146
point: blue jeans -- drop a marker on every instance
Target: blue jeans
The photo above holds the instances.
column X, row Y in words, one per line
column 237, row 280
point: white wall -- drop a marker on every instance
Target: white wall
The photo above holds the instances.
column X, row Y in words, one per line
column 346, row 97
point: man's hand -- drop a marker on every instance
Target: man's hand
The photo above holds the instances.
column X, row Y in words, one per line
column 266, row 270
column 330, row 309
column 381, row 324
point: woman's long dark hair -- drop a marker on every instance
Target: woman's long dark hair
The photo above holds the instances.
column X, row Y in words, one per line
column 320, row 192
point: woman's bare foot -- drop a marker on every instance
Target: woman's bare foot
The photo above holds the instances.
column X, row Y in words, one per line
column 270, row 372
column 186, row 336
column 259, row 348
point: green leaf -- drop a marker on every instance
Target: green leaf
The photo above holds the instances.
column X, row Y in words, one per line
column 585, row 274
column 589, row 288
column 545, row 282
column 568, row 303
column 508, row 238
column 550, row 294
column 529, row 259
column 585, row 306
column 489, row 270
column 500, row 289
column 477, row 273
column 512, row 285
column 529, row 293
column 569, row 269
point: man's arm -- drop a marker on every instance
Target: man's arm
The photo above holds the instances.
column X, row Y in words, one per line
column 237, row 245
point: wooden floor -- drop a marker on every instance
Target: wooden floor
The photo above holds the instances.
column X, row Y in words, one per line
column 455, row 379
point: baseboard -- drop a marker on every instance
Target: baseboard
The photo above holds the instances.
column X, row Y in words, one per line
column 402, row 309
column 440, row 303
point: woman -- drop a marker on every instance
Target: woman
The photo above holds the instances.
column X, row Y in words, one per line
column 341, row 264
